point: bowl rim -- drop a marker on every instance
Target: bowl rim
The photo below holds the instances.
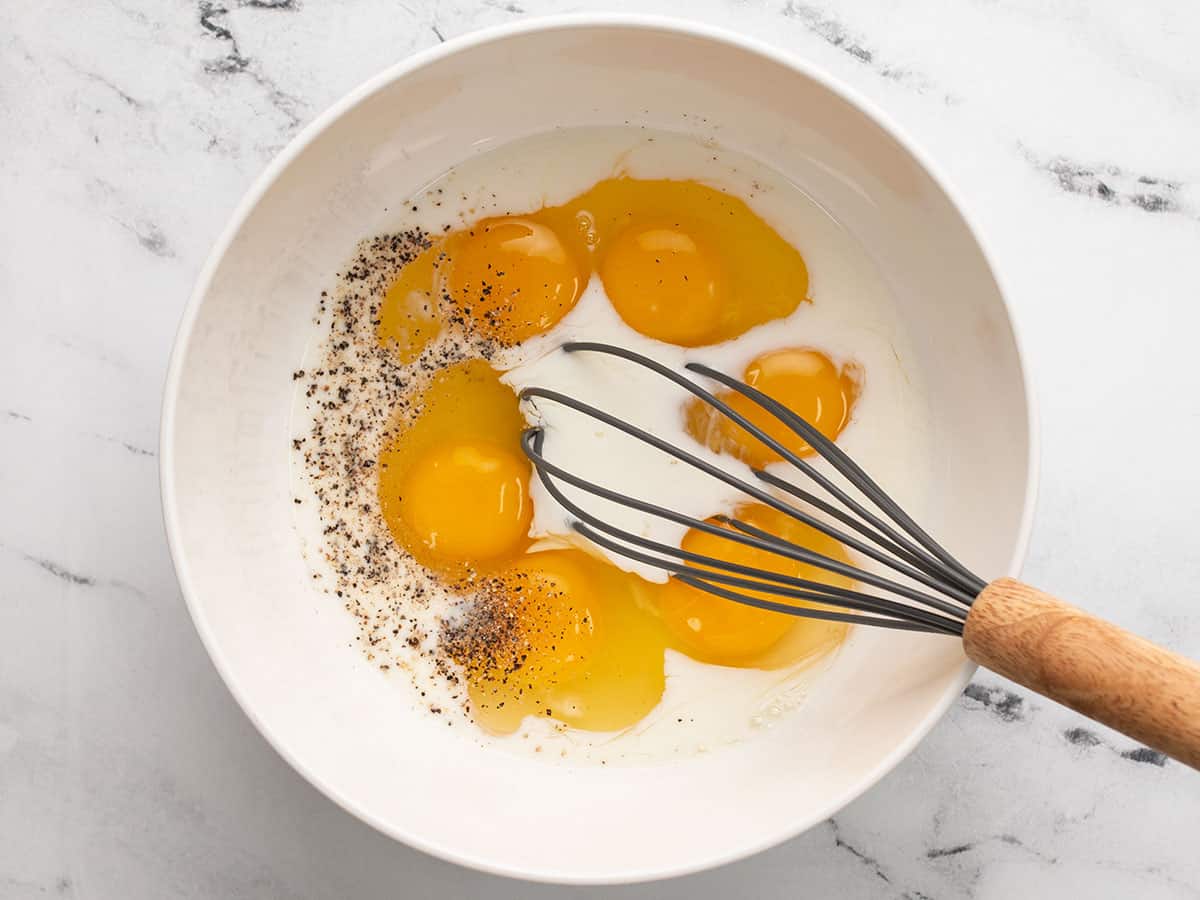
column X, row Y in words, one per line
column 264, row 181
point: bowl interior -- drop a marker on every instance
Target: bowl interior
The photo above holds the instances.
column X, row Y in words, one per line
column 286, row 649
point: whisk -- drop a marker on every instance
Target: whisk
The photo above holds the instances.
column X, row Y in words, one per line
column 1026, row 635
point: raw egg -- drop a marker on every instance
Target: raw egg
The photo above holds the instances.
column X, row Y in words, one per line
column 666, row 281
column 714, row 629
column 680, row 261
column 409, row 316
column 563, row 635
column 514, row 277
column 467, row 500
column 453, row 481
column 806, row 381
column 683, row 262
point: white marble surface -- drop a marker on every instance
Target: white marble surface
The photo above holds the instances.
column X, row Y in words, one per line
column 128, row 130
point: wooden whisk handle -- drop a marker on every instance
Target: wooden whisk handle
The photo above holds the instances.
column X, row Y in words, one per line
column 1088, row 664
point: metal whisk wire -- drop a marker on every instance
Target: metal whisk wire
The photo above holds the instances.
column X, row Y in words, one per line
column 935, row 591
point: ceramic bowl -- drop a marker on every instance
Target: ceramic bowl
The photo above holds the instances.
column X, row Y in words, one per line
column 283, row 648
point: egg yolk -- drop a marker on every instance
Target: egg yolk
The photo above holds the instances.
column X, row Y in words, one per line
column 805, row 381
column 453, row 481
column 664, row 281
column 717, row 630
column 514, row 277
column 680, row 261
column 686, row 263
column 565, row 636
column 467, row 501
column 409, row 316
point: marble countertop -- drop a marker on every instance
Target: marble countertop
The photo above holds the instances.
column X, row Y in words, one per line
column 128, row 131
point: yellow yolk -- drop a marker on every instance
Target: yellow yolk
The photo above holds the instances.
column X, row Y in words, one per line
column 453, row 481
column 716, row 630
column 514, row 277
column 686, row 263
column 664, row 281
column 805, row 381
column 564, row 636
column 681, row 262
column 467, row 500
column 409, row 317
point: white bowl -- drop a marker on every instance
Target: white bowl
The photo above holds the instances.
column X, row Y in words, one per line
column 283, row 647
